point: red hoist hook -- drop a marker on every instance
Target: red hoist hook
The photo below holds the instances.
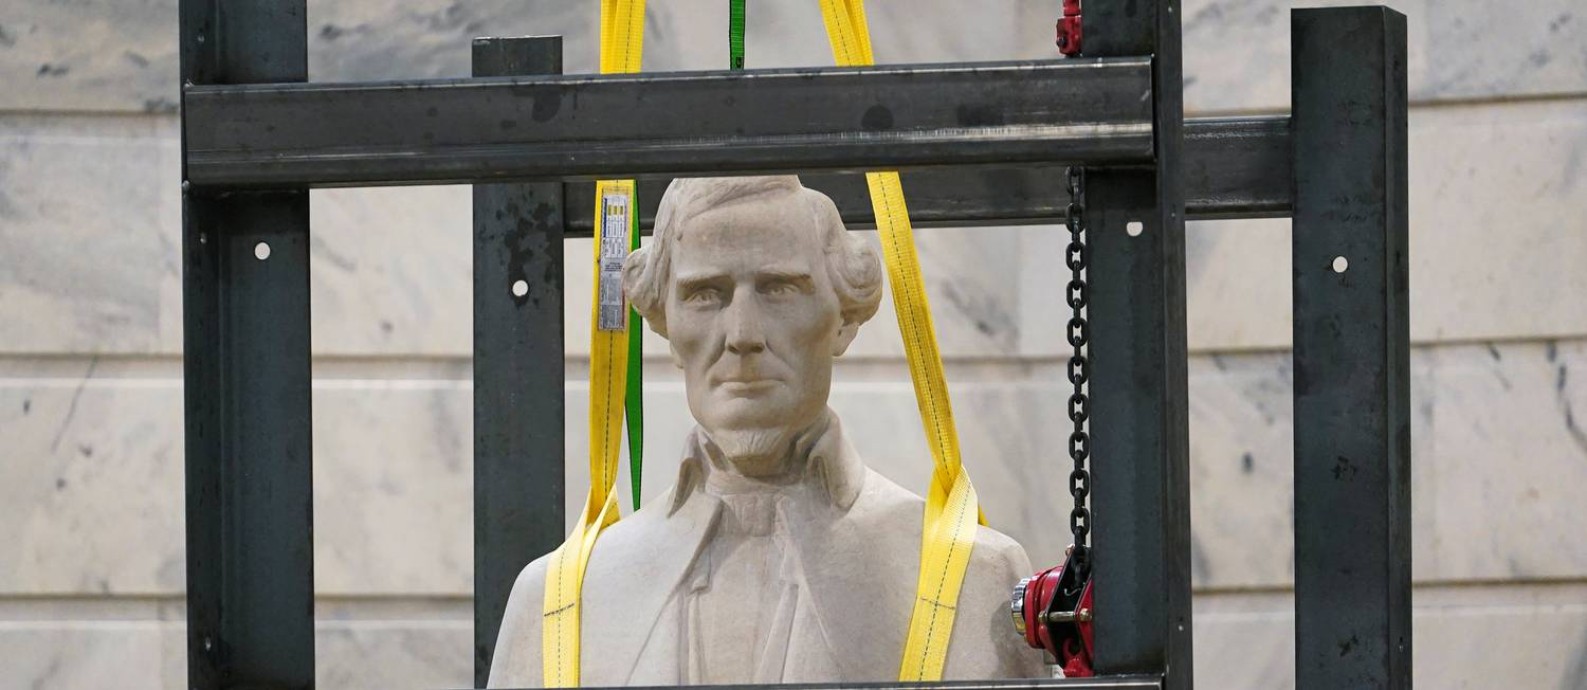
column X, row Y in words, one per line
column 1053, row 610
column 1069, row 29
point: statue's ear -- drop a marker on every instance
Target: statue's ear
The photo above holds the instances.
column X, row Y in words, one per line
column 846, row 334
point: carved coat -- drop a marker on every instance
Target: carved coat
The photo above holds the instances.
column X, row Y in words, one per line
column 857, row 546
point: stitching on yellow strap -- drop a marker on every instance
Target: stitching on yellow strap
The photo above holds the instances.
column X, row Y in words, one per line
column 622, row 36
column 952, row 509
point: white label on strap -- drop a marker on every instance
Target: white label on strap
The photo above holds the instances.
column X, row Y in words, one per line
column 614, row 251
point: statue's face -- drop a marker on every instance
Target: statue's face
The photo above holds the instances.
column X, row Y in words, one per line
column 754, row 322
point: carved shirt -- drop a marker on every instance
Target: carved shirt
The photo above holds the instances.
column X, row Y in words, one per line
column 746, row 612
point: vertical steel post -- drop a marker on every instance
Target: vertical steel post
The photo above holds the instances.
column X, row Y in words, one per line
column 250, row 556
column 518, row 365
column 1139, row 418
column 1352, row 350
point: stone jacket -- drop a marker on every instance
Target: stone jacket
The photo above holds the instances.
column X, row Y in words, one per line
column 857, row 543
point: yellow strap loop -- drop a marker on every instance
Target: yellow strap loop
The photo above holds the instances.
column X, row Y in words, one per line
column 952, row 509
column 622, row 36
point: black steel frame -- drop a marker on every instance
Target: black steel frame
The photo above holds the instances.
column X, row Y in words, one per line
column 978, row 144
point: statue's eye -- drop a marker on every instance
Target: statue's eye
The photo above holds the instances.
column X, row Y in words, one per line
column 703, row 296
column 782, row 287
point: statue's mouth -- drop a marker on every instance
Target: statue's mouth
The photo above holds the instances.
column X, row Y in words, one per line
column 745, row 386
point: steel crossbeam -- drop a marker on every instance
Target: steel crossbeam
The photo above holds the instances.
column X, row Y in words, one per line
column 257, row 136
column 586, row 127
column 1234, row 168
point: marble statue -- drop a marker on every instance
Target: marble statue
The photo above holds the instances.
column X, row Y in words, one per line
column 778, row 556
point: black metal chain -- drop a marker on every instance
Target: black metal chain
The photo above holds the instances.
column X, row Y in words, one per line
column 1079, row 336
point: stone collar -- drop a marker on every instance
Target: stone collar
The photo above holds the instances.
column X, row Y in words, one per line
column 829, row 463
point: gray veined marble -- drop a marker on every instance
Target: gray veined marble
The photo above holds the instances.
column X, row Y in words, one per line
column 1237, row 51
column 115, row 55
column 1475, row 169
column 1499, row 463
column 1531, row 636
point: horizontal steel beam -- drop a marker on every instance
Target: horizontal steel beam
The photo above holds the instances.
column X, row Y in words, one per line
column 1091, row 111
column 1238, row 168
column 1234, row 168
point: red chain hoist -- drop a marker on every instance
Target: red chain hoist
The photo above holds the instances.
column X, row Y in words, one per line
column 1069, row 29
column 1054, row 608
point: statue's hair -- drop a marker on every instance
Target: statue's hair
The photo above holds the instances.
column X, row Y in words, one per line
column 852, row 264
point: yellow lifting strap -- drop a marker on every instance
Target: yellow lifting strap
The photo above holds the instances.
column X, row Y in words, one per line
column 622, row 35
column 952, row 509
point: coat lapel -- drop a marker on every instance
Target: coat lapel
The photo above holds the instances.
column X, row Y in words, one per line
column 860, row 574
column 631, row 581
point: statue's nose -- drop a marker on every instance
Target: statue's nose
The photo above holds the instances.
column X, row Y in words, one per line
column 744, row 332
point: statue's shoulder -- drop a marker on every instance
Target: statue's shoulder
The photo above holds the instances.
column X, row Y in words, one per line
column 999, row 552
column 985, row 644
column 516, row 662
column 638, row 550
column 882, row 500
column 635, row 529
column 898, row 511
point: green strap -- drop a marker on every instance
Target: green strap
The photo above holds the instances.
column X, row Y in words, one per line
column 633, row 403
column 735, row 33
column 633, row 400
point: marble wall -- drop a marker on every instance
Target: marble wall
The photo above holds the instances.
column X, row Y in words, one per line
column 91, row 537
